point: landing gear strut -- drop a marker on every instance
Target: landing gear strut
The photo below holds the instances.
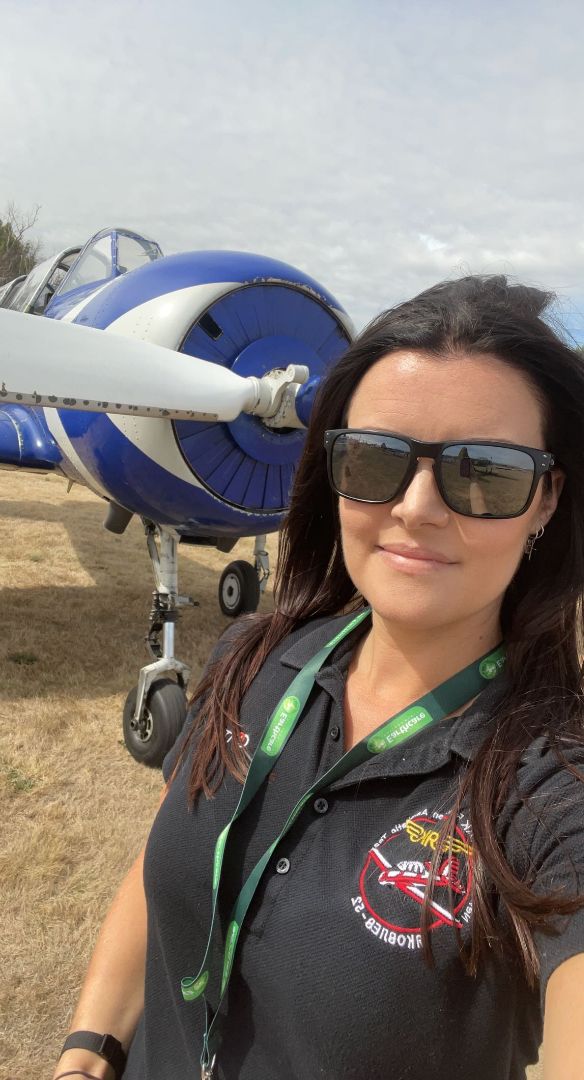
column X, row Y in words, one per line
column 155, row 710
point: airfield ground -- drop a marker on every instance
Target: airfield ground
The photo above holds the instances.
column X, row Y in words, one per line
column 75, row 808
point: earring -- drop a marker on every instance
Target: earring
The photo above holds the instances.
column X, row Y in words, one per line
column 531, row 541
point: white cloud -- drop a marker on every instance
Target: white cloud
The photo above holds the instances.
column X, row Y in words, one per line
column 378, row 145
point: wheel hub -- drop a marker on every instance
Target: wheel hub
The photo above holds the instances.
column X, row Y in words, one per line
column 143, row 727
column 231, row 590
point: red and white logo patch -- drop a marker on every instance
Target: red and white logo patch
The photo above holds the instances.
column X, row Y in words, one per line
column 241, row 735
column 394, row 880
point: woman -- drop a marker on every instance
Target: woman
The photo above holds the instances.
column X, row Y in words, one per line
column 414, row 913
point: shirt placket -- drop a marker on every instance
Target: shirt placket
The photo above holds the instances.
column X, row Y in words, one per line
column 332, row 681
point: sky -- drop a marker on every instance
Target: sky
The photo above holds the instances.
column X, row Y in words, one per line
column 380, row 146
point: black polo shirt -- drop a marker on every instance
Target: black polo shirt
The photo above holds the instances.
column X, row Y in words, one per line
column 329, row 980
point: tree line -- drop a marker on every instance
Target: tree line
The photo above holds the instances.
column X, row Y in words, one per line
column 18, row 253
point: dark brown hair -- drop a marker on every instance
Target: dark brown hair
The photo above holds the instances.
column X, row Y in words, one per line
column 541, row 614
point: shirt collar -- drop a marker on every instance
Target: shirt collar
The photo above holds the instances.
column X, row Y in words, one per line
column 462, row 734
column 313, row 639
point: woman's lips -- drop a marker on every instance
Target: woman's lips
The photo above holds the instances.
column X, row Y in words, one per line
column 414, row 560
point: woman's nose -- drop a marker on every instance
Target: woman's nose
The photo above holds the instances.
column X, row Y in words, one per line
column 421, row 502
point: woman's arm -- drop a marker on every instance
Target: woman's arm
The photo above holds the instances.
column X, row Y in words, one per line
column 563, row 1033
column 112, row 996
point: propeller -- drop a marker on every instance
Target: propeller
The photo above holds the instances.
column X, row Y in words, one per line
column 66, row 366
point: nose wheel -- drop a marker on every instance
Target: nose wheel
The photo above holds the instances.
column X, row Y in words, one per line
column 150, row 737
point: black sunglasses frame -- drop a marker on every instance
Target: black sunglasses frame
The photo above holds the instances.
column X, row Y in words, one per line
column 543, row 462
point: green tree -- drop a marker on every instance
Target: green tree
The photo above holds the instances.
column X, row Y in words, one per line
column 18, row 253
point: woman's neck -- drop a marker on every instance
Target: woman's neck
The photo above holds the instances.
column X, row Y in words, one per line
column 400, row 664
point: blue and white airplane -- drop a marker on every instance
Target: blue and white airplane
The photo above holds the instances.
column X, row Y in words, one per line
column 189, row 412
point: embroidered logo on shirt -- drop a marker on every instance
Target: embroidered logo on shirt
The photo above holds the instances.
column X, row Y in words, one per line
column 394, row 879
column 241, row 735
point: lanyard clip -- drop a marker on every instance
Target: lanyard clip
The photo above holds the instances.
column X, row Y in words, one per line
column 207, row 1070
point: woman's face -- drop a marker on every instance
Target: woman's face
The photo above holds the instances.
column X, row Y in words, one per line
column 416, row 562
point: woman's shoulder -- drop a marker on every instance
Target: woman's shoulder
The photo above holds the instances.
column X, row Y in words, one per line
column 543, row 820
column 551, row 762
column 544, row 844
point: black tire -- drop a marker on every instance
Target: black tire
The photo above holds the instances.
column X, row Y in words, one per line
column 164, row 716
column 239, row 588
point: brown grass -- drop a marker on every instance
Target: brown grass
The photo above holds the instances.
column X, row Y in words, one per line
column 75, row 807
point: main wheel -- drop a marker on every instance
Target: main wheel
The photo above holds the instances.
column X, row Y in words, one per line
column 164, row 714
column 239, row 588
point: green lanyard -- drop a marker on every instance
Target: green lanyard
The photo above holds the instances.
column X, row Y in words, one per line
column 445, row 699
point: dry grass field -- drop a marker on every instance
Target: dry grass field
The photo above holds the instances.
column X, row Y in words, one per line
column 75, row 807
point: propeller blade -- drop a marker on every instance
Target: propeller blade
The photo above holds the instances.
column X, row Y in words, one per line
column 66, row 366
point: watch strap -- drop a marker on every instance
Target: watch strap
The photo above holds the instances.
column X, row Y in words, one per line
column 106, row 1046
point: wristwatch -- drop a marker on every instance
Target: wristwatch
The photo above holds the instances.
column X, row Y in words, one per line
column 107, row 1046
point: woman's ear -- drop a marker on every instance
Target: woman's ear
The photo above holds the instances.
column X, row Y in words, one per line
column 551, row 495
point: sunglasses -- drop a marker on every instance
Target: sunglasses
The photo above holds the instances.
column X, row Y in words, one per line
column 475, row 479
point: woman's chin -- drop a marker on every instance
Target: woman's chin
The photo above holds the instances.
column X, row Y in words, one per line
column 415, row 616
column 412, row 601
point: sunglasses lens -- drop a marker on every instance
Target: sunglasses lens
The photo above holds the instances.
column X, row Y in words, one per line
column 486, row 481
column 367, row 466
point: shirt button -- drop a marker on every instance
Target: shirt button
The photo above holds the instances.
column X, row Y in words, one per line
column 335, row 732
column 282, row 866
column 321, row 806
